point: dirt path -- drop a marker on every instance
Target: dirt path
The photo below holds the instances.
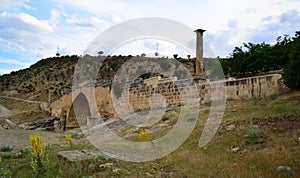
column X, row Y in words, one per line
column 26, row 101
column 18, row 138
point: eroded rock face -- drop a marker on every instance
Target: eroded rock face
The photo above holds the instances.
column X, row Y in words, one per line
column 43, row 125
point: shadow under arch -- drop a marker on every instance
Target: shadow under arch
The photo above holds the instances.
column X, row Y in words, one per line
column 79, row 112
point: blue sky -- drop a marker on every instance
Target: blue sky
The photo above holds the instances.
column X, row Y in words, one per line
column 32, row 29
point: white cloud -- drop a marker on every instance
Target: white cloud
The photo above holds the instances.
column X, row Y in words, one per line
column 12, row 3
column 35, row 39
column 92, row 22
column 9, row 65
column 23, row 22
column 274, row 26
column 149, row 47
column 54, row 18
column 23, row 33
column 14, row 62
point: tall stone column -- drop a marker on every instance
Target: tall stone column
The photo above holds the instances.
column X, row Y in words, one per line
column 199, row 51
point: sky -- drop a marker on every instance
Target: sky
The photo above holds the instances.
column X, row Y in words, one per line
column 31, row 30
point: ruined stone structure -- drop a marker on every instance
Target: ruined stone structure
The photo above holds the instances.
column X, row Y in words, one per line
column 89, row 102
column 98, row 101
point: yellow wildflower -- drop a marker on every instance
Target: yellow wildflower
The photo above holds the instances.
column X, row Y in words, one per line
column 144, row 136
column 38, row 152
column 69, row 138
column 37, row 144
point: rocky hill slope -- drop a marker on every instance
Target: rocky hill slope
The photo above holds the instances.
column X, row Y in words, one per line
column 55, row 75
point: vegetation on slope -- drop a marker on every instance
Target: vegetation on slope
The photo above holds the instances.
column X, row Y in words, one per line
column 51, row 74
column 55, row 75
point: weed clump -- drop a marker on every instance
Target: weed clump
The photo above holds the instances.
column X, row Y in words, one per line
column 252, row 131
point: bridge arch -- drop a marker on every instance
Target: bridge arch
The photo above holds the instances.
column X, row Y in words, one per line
column 96, row 98
column 82, row 107
column 79, row 112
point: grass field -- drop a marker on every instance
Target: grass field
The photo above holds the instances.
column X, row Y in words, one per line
column 266, row 133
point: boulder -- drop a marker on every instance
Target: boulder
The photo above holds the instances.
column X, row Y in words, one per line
column 230, row 127
column 284, row 168
column 106, row 165
column 79, row 155
column 10, row 123
column 236, row 149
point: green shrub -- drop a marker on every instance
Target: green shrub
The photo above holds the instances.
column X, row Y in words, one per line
column 273, row 96
column 165, row 64
column 252, row 132
column 6, row 149
column 6, row 156
column 4, row 173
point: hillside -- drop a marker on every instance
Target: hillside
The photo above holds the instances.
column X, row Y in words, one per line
column 56, row 74
column 53, row 74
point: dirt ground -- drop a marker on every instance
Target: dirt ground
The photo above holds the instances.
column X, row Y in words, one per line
column 19, row 139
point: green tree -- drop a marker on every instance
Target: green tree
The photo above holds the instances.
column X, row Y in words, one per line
column 251, row 58
column 291, row 72
column 100, row 53
column 280, row 52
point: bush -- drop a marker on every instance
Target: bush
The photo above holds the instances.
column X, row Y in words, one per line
column 252, row 131
column 273, row 96
column 165, row 64
column 6, row 156
column 5, row 149
column 114, row 66
column 4, row 173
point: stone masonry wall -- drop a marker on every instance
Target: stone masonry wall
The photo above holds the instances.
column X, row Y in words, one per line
column 140, row 96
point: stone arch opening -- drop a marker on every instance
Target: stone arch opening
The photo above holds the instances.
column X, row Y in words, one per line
column 79, row 112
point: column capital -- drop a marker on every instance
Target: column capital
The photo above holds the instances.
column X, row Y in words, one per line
column 201, row 31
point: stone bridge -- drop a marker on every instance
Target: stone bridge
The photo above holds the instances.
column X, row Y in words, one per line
column 90, row 102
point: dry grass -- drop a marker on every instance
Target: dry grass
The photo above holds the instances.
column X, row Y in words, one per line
column 16, row 105
column 22, row 112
